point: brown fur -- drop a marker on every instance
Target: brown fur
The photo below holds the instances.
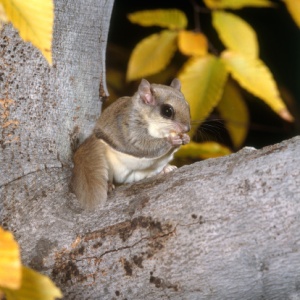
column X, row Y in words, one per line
column 90, row 173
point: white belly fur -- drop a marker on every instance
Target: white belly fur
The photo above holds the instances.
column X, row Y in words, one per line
column 125, row 168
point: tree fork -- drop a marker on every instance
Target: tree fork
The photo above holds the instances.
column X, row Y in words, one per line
column 225, row 228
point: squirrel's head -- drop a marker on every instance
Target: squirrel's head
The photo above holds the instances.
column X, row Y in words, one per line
column 164, row 108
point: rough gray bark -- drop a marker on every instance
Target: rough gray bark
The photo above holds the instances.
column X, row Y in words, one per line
column 224, row 228
column 43, row 110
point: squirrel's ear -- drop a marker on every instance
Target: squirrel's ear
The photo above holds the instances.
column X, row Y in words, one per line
column 176, row 84
column 145, row 92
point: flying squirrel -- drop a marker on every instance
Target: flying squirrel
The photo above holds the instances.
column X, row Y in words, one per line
column 134, row 138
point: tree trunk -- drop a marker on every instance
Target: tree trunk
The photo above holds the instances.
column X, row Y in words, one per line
column 224, row 228
column 45, row 111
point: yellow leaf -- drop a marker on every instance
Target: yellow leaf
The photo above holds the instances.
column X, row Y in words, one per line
column 236, row 4
column 3, row 17
column 255, row 77
column 10, row 262
column 202, row 80
column 202, row 150
column 152, row 54
column 169, row 18
column 235, row 33
column 192, row 43
column 234, row 112
column 34, row 286
column 34, row 20
column 293, row 7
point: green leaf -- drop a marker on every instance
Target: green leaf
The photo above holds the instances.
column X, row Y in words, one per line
column 203, row 80
column 168, row 18
column 293, row 7
column 235, row 33
column 234, row 112
column 34, row 286
column 255, row 77
column 152, row 54
column 237, row 4
column 202, row 150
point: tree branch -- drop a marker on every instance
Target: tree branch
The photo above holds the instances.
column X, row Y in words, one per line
column 225, row 228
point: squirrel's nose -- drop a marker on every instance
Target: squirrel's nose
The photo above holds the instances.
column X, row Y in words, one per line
column 186, row 128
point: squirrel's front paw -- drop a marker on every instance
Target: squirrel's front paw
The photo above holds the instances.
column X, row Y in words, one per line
column 178, row 139
column 175, row 139
column 185, row 138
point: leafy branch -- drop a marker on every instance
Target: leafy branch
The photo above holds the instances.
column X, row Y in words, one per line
column 206, row 75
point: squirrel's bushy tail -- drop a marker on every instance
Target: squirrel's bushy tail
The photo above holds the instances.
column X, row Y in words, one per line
column 90, row 173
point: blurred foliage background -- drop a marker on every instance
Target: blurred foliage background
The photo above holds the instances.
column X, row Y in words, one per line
column 279, row 41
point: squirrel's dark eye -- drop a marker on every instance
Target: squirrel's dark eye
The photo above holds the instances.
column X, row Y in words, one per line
column 167, row 111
